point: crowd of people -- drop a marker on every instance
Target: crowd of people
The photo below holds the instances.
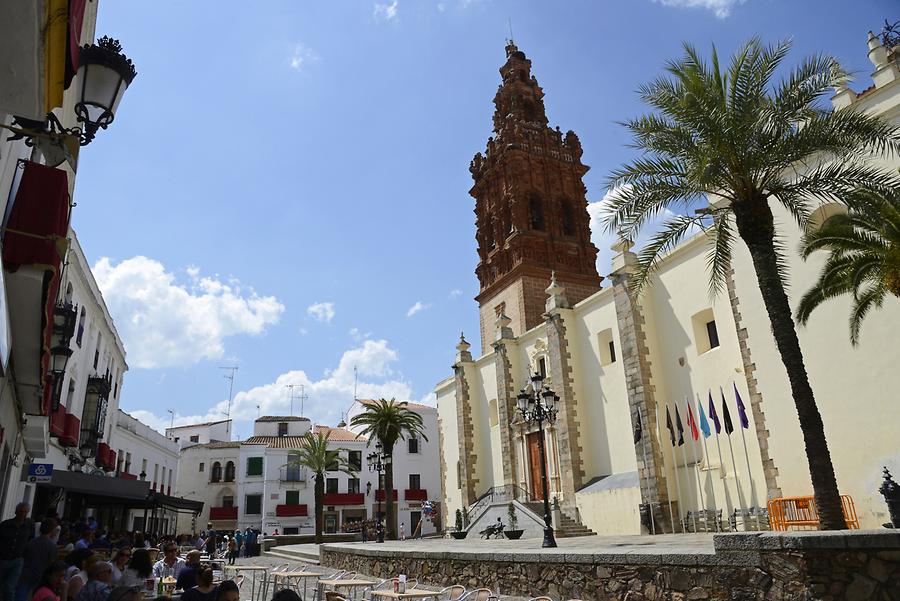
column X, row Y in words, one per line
column 122, row 570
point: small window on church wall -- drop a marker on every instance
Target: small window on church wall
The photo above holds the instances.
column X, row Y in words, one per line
column 568, row 219
column 493, row 414
column 706, row 333
column 537, row 214
column 607, row 347
column 542, row 367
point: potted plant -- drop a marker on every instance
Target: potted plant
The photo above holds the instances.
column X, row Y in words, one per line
column 513, row 533
column 459, row 533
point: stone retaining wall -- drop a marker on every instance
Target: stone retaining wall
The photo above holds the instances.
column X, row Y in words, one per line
column 843, row 566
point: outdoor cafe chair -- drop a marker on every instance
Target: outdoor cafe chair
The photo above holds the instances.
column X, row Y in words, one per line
column 454, row 592
column 479, row 594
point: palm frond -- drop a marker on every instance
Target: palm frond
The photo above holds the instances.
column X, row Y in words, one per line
column 671, row 232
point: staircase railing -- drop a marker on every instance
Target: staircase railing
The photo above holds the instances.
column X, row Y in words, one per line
column 496, row 494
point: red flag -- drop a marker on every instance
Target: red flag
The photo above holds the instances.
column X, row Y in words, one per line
column 692, row 423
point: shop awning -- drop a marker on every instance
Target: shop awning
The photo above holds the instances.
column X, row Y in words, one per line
column 34, row 244
column 102, row 489
column 177, row 504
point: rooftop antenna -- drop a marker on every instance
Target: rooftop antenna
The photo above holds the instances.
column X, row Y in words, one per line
column 230, row 377
column 257, row 411
column 291, row 387
column 355, row 382
column 302, row 398
column 509, row 21
column 172, row 422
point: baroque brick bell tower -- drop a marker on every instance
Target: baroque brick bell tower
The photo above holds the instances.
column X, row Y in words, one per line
column 530, row 207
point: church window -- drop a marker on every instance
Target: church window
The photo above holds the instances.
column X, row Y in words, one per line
column 537, row 214
column 542, row 367
column 706, row 333
column 568, row 219
column 607, row 347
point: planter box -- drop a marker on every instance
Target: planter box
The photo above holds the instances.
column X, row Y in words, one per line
column 459, row 535
column 513, row 534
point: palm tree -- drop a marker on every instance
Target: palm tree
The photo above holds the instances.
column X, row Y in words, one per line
column 315, row 455
column 388, row 422
column 864, row 259
column 735, row 135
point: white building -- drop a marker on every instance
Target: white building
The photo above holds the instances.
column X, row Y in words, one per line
column 613, row 360
column 253, row 482
column 218, row 431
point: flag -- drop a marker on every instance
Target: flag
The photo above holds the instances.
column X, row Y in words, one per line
column 679, row 425
column 704, row 424
column 638, row 428
column 713, row 414
column 726, row 416
column 669, row 425
column 742, row 411
column 692, row 423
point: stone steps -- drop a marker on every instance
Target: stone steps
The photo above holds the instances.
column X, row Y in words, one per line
column 567, row 527
column 293, row 555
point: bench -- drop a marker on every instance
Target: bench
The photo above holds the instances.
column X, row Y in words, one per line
column 750, row 519
column 706, row 520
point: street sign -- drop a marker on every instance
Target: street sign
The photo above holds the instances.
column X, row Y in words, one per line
column 40, row 472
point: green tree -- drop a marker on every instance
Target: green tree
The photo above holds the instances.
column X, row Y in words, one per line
column 864, row 255
column 389, row 422
column 315, row 455
column 742, row 141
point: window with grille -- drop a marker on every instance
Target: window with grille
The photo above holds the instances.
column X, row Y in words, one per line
column 292, row 497
column 415, row 482
column 331, row 485
column 254, row 466
column 253, row 505
column 412, row 445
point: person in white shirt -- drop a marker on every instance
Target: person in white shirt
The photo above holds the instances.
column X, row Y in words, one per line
column 170, row 565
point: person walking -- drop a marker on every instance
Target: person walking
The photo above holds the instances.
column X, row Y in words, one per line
column 39, row 554
column 232, row 550
column 14, row 535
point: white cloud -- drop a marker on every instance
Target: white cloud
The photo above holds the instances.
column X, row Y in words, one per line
column 417, row 308
column 321, row 311
column 329, row 396
column 455, row 292
column 302, row 56
column 603, row 240
column 165, row 323
column 385, row 12
column 721, row 8
column 358, row 335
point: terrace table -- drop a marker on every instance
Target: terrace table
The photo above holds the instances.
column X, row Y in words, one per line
column 254, row 571
column 288, row 576
column 341, row 583
column 411, row 593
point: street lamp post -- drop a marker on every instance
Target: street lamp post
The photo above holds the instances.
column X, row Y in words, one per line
column 378, row 462
column 537, row 404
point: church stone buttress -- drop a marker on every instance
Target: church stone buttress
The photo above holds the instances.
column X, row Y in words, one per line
column 530, row 207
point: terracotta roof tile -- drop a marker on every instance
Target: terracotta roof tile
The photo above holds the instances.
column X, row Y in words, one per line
column 340, row 434
column 282, row 418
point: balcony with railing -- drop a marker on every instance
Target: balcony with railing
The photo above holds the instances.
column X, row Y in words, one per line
column 294, row 474
column 379, row 495
column 290, row 511
column 415, row 494
column 344, row 498
column 223, row 513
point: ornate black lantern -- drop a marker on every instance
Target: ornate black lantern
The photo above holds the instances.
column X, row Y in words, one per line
column 64, row 316
column 537, row 404
column 104, row 73
column 378, row 462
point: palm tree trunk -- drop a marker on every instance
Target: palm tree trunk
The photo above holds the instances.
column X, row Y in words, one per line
column 756, row 227
column 389, row 500
column 319, row 494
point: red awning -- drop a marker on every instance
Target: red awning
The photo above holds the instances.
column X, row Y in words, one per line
column 76, row 19
column 39, row 220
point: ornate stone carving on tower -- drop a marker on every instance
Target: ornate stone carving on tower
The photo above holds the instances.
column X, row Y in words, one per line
column 530, row 207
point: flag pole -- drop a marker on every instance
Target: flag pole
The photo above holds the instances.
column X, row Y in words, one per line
column 737, row 481
column 684, row 459
column 678, row 488
column 646, row 470
column 712, row 487
column 668, row 492
column 687, row 401
column 722, row 470
column 747, row 457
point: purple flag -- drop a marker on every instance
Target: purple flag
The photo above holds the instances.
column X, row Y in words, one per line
column 713, row 415
column 742, row 411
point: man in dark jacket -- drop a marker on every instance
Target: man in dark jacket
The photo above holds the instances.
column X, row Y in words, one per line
column 14, row 535
column 39, row 553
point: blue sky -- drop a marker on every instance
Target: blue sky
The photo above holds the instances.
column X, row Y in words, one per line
column 285, row 188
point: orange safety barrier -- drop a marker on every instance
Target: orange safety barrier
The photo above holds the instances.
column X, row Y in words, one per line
column 800, row 512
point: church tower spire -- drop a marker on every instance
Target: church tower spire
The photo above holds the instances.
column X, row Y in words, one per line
column 530, row 207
